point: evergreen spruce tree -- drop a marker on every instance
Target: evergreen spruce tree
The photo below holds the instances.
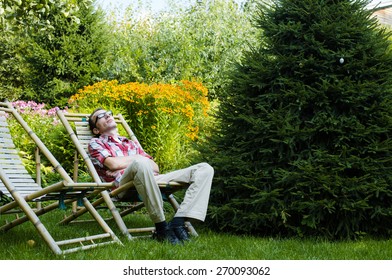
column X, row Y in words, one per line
column 304, row 140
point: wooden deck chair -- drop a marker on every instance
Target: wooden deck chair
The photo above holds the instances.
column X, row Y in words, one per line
column 77, row 127
column 22, row 190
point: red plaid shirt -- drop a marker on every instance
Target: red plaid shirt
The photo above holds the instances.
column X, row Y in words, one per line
column 105, row 146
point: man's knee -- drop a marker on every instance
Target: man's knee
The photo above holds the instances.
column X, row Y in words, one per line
column 208, row 169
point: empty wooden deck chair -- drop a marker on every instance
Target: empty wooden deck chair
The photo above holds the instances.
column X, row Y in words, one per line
column 22, row 190
column 77, row 127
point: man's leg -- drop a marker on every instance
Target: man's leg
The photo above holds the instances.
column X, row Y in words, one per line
column 196, row 198
column 141, row 173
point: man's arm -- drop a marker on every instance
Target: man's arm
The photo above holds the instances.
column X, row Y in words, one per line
column 119, row 163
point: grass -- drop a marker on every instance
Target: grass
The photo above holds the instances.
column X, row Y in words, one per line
column 210, row 245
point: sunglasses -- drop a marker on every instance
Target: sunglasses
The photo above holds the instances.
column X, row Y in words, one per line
column 102, row 115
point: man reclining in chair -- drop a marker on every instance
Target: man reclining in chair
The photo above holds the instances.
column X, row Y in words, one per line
column 121, row 160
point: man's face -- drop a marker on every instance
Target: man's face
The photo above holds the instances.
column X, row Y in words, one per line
column 104, row 121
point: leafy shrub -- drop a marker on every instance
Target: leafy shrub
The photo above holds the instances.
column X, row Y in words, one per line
column 166, row 118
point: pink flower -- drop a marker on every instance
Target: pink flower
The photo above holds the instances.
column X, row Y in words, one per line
column 33, row 108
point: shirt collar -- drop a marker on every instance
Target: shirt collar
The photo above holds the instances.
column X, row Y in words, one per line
column 106, row 137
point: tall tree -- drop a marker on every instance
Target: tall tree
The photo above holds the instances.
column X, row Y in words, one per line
column 304, row 143
column 11, row 65
column 19, row 22
column 67, row 57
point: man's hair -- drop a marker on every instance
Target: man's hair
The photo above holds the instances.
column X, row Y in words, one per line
column 91, row 123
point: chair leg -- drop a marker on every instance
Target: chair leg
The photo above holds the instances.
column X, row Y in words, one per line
column 31, row 215
column 99, row 219
column 116, row 215
column 20, row 220
column 105, row 198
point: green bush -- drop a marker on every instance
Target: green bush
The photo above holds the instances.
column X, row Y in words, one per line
column 303, row 146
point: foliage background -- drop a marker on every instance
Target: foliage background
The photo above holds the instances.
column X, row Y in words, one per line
column 201, row 41
column 297, row 151
column 72, row 43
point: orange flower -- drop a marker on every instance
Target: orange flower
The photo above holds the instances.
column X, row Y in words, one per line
column 186, row 100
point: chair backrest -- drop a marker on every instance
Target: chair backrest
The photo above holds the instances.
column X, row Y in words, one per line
column 9, row 157
column 77, row 127
column 11, row 163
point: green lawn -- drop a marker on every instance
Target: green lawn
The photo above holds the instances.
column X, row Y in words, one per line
column 210, row 245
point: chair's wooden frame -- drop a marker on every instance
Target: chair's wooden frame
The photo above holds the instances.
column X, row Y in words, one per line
column 18, row 184
column 81, row 136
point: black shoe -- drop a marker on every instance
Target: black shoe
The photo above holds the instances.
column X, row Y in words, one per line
column 166, row 235
column 181, row 233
